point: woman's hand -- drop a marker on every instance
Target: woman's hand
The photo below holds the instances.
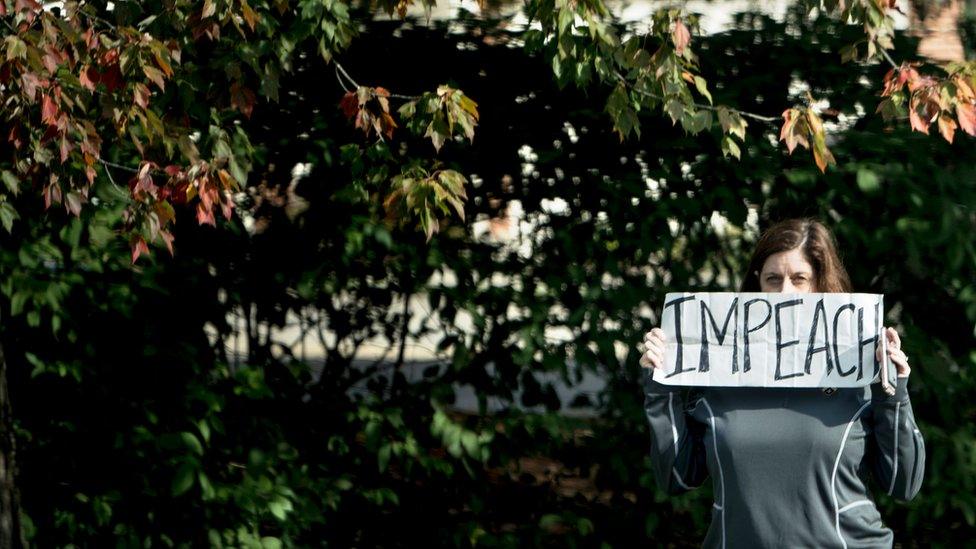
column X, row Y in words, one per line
column 894, row 352
column 653, row 356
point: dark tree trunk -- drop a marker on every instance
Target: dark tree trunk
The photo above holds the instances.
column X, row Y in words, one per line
column 11, row 531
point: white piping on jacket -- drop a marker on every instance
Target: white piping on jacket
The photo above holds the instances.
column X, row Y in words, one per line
column 894, row 452
column 674, row 434
column 854, row 504
column 833, row 475
column 721, row 475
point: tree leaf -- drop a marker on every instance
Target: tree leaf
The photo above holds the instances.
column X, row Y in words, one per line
column 680, row 37
column 947, row 127
column 183, row 479
column 966, row 113
column 702, row 87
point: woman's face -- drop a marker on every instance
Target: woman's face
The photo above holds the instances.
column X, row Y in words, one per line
column 787, row 272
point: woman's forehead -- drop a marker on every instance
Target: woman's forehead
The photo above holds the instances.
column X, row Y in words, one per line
column 791, row 260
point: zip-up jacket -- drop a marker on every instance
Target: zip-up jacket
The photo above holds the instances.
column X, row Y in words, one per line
column 789, row 467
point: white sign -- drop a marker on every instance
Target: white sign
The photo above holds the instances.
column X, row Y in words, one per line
column 773, row 340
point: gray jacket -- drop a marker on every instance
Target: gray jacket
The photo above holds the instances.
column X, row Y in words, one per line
column 789, row 467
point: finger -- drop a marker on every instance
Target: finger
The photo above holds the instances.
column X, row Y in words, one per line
column 654, row 340
column 894, row 340
column 901, row 363
column 649, row 363
column 897, row 354
column 657, row 334
column 654, row 356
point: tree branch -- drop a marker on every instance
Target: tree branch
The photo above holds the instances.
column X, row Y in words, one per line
column 342, row 70
column 744, row 114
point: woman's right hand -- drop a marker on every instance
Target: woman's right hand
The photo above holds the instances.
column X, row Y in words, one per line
column 653, row 356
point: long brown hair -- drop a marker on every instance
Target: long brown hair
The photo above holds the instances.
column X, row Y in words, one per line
column 818, row 245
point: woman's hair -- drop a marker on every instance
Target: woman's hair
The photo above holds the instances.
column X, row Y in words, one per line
column 818, row 245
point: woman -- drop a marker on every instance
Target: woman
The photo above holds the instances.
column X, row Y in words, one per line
column 789, row 466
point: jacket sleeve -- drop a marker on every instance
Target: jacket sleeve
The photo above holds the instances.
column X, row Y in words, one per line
column 899, row 456
column 677, row 445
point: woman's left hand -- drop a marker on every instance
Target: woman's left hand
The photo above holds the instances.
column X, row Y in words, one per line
column 894, row 352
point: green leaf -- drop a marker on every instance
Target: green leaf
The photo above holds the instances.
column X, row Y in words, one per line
column 11, row 182
column 279, row 508
column 183, row 480
column 17, row 303
column 730, row 147
column 383, row 457
column 702, row 87
column 8, row 215
column 867, row 180
column 469, row 441
column 192, row 442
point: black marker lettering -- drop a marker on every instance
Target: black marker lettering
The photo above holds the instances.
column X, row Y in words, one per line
column 745, row 325
column 720, row 335
column 679, row 358
column 779, row 338
column 871, row 341
column 850, row 307
column 819, row 313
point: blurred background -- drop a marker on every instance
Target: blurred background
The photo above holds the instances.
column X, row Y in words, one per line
column 307, row 375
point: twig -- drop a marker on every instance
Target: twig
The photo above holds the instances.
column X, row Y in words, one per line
column 888, row 57
column 342, row 70
column 116, row 166
column 339, row 78
column 740, row 112
column 9, row 26
column 109, row 24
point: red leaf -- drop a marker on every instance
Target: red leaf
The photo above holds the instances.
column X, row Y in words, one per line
column 349, row 105
column 139, row 247
column 205, row 215
column 72, row 203
column 65, row 149
column 242, row 98
column 947, row 127
column 680, row 36
column 140, row 95
column 915, row 119
column 85, row 77
column 31, row 83
column 49, row 111
column 966, row 113
column 29, row 5
column 168, row 239
column 111, row 77
column 14, row 137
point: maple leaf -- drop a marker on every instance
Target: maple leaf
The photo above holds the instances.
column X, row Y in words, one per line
column 680, row 36
column 349, row 105
column 947, row 127
column 966, row 113
column 139, row 247
column 49, row 111
column 242, row 98
column 140, row 95
column 87, row 77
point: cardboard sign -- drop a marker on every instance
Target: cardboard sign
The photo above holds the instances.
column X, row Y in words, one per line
column 773, row 340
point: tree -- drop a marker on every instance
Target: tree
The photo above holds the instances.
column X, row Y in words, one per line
column 185, row 104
